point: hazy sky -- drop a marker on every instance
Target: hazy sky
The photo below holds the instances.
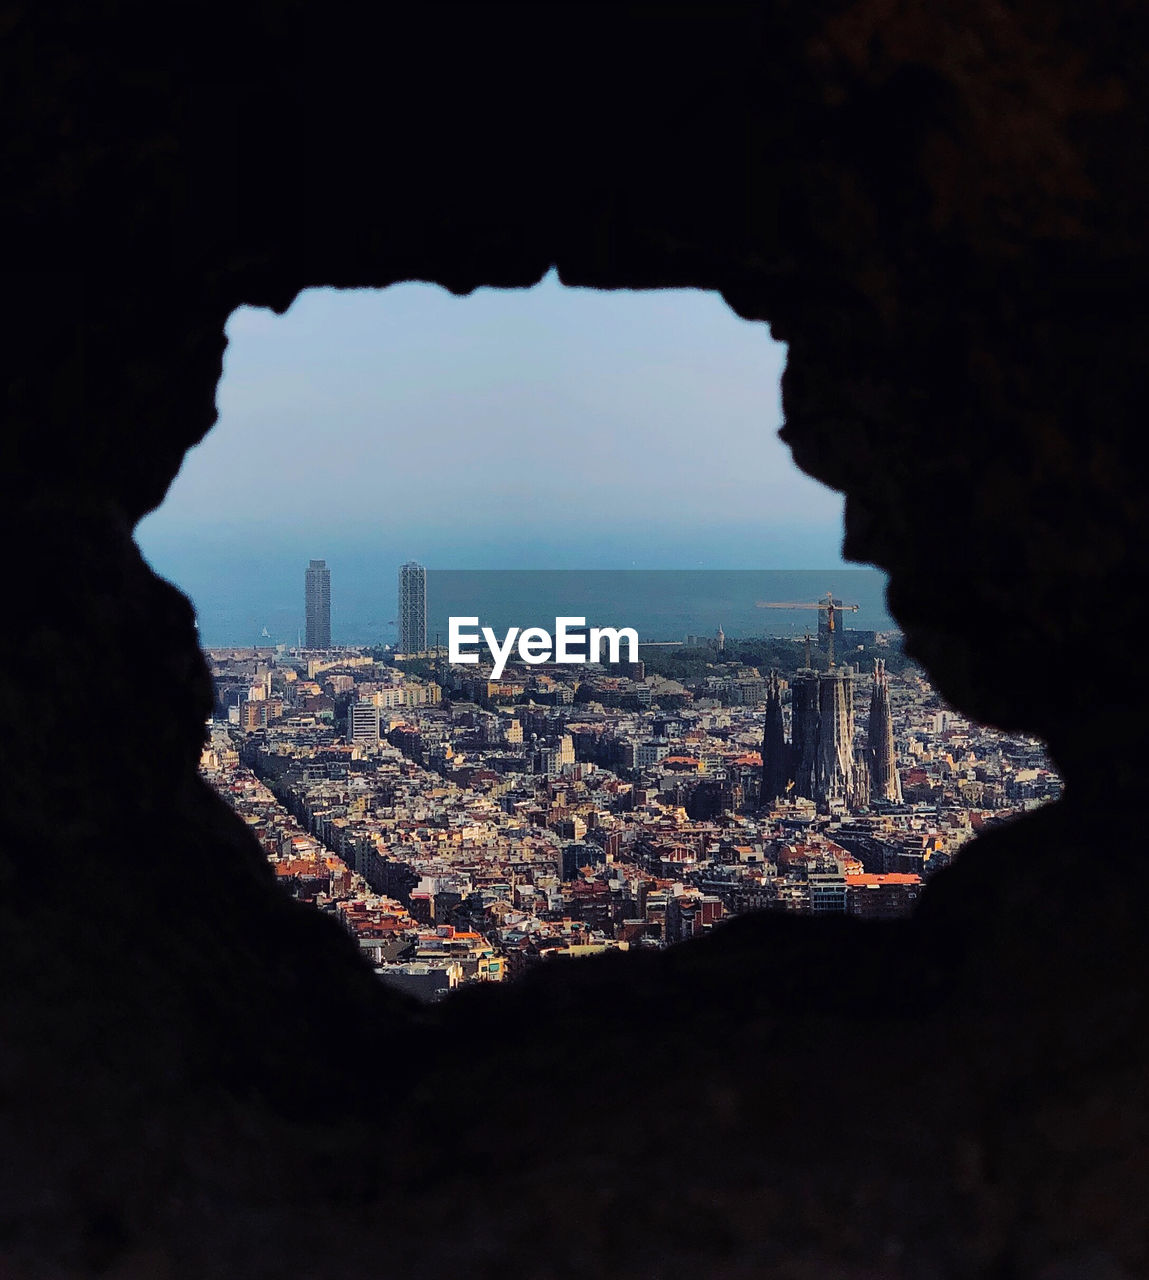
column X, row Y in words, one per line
column 544, row 428
column 547, row 428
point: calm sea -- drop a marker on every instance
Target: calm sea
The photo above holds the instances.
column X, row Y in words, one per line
column 238, row 607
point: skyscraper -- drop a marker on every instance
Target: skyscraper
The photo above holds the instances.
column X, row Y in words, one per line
column 774, row 762
column 885, row 783
column 412, row 608
column 317, row 599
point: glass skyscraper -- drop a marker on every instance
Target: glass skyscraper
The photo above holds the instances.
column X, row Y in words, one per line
column 317, row 601
column 412, row 608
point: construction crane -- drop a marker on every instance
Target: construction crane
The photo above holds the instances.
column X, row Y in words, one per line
column 832, row 610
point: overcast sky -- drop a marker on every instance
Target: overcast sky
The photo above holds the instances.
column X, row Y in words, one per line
column 549, row 427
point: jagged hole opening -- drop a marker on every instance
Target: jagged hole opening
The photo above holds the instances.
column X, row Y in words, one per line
column 551, row 431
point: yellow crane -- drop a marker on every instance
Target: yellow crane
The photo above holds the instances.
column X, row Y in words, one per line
column 832, row 610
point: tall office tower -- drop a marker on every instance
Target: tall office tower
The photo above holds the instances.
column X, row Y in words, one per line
column 834, row 764
column 804, row 717
column 774, row 761
column 886, row 785
column 317, row 597
column 412, row 608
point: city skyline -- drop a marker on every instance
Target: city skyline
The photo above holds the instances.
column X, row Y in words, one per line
column 364, row 606
column 468, row 824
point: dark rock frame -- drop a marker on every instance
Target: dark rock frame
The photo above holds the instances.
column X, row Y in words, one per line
column 941, row 207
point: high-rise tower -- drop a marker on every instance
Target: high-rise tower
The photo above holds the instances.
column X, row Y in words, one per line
column 884, row 781
column 774, row 753
column 412, row 608
column 834, row 762
column 317, row 603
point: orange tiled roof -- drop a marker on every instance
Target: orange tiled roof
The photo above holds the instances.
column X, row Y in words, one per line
column 865, row 880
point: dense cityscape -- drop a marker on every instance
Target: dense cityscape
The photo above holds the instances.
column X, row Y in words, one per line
column 464, row 828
